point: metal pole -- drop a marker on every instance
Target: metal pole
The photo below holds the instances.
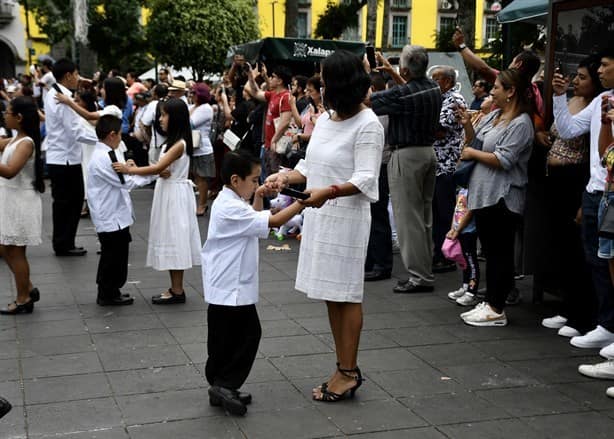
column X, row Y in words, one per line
column 27, row 11
column 273, row 12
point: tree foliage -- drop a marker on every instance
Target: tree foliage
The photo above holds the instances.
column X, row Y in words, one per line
column 197, row 34
column 337, row 17
column 117, row 35
column 54, row 18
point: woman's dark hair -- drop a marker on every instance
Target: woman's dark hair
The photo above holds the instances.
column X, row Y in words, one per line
column 591, row 63
column 179, row 127
column 30, row 125
column 514, row 78
column 346, row 82
column 315, row 82
column 115, row 92
column 238, row 163
column 89, row 99
column 530, row 63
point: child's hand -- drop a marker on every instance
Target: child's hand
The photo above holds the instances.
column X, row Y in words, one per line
column 317, row 197
column 165, row 174
column 276, row 182
column 62, row 98
column 130, row 163
column 452, row 234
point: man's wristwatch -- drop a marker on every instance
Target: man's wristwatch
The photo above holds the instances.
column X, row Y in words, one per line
column 461, row 47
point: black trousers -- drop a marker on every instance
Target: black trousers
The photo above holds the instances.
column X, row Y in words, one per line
column 232, row 343
column 68, row 193
column 444, row 201
column 136, row 150
column 497, row 229
column 471, row 274
column 113, row 263
column 379, row 250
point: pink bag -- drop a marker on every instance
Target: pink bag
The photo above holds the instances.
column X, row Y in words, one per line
column 452, row 250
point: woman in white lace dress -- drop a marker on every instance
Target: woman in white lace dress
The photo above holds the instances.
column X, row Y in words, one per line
column 174, row 238
column 341, row 169
column 21, row 183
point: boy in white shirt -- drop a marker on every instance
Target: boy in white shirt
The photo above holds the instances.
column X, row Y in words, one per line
column 111, row 211
column 230, row 278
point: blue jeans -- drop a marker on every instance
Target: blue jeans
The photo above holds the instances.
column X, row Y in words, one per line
column 598, row 267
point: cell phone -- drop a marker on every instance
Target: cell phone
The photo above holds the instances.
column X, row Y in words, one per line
column 294, row 193
column 371, row 56
column 559, row 68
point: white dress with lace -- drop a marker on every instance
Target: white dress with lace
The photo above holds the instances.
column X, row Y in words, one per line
column 21, row 211
column 174, row 238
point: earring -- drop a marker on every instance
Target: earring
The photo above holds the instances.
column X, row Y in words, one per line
column 507, row 100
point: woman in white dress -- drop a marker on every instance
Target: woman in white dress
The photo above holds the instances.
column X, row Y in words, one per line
column 341, row 169
column 21, row 183
column 174, row 239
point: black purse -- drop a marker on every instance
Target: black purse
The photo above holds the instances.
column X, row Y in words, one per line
column 464, row 169
column 606, row 226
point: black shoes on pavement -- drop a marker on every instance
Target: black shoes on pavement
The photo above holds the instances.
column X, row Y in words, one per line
column 5, row 407
column 408, row 287
column 77, row 251
column 232, row 401
column 374, row 275
column 122, row 300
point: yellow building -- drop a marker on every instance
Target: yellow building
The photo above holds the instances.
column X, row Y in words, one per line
column 409, row 21
column 15, row 47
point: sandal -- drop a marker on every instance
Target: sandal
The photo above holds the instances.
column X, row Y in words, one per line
column 324, row 385
column 328, row 396
column 168, row 299
column 23, row 308
column 202, row 210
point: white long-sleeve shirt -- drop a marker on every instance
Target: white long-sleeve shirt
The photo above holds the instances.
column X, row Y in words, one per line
column 587, row 120
column 65, row 132
column 108, row 199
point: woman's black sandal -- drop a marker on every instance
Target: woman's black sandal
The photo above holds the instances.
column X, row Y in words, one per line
column 328, row 396
column 324, row 385
column 173, row 298
column 24, row 308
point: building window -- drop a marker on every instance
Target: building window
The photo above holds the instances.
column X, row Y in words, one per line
column 303, row 26
column 399, row 30
column 400, row 3
column 491, row 29
column 446, row 22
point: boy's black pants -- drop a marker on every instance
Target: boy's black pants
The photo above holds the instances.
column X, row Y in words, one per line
column 113, row 263
column 232, row 343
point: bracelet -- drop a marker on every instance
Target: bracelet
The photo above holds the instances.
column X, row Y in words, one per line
column 334, row 191
column 461, row 47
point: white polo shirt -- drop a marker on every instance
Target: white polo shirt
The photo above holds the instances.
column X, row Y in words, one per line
column 230, row 254
column 65, row 132
column 108, row 199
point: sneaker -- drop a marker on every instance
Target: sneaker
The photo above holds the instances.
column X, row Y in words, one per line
column 513, row 298
column 607, row 352
column 603, row 370
column 597, row 338
column 485, row 316
column 568, row 331
column 610, row 392
column 478, row 307
column 467, row 299
column 556, row 322
column 457, row 294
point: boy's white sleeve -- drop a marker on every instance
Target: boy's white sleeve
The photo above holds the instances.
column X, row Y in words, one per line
column 243, row 221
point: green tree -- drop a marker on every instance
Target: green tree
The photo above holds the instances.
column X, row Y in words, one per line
column 197, row 34
column 53, row 17
column 117, row 35
column 337, row 17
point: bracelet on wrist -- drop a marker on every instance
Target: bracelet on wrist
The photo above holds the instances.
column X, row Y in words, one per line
column 334, row 191
column 461, row 47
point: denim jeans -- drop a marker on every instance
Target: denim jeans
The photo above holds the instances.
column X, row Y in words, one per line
column 599, row 267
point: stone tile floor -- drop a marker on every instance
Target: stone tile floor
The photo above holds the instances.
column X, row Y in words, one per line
column 76, row 370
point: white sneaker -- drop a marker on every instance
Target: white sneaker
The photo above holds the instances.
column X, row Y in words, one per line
column 555, row 322
column 568, row 331
column 467, row 299
column 610, row 392
column 607, row 352
column 597, row 338
column 485, row 316
column 457, row 294
column 603, row 370
column 471, row 311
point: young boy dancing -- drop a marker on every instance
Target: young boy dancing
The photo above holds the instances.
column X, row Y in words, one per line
column 111, row 210
column 230, row 278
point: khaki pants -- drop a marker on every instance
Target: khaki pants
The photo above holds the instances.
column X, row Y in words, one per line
column 411, row 175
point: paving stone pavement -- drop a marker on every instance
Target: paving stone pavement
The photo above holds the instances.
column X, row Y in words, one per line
column 76, row 370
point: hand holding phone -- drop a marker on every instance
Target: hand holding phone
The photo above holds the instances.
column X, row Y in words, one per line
column 371, row 57
column 294, row 193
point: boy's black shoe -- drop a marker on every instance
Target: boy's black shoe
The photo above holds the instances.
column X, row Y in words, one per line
column 5, row 407
column 227, row 398
column 244, row 397
column 117, row 301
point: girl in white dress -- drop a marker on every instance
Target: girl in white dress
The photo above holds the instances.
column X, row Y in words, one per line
column 341, row 169
column 174, row 238
column 21, row 183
